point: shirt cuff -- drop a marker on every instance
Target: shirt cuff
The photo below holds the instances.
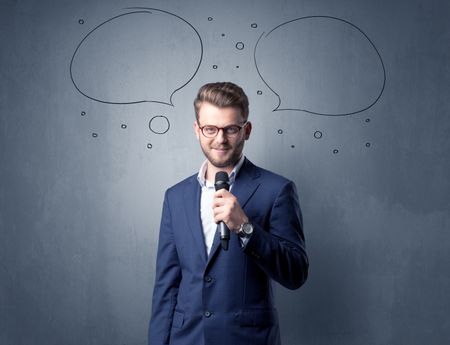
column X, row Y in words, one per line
column 244, row 241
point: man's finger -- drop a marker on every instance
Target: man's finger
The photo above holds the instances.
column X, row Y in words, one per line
column 222, row 193
column 218, row 202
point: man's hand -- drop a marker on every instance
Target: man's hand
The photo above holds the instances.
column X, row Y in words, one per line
column 226, row 209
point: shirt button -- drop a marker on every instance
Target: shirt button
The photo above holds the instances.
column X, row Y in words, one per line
column 207, row 313
column 208, row 279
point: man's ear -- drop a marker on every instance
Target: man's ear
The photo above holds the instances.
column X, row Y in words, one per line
column 197, row 130
column 248, row 130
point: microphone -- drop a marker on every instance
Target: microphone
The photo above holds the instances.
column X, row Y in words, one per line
column 222, row 182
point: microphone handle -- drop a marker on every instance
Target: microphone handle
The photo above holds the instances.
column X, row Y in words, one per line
column 224, row 235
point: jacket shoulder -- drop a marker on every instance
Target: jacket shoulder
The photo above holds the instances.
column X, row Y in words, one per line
column 275, row 180
column 180, row 186
column 273, row 176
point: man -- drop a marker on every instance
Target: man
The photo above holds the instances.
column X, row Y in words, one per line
column 203, row 294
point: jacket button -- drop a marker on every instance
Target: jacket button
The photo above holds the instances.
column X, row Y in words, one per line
column 207, row 313
column 208, row 279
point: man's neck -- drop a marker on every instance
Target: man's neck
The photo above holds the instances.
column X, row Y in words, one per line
column 211, row 171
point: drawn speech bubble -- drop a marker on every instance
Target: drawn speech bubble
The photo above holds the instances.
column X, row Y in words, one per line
column 135, row 57
column 331, row 66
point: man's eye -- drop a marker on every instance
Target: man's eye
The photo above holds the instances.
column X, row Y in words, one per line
column 232, row 129
column 209, row 130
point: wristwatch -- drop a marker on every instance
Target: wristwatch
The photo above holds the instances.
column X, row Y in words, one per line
column 245, row 230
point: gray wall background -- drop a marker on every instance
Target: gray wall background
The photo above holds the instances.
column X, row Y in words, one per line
column 79, row 215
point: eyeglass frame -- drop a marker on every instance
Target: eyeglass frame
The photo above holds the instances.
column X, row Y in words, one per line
column 223, row 130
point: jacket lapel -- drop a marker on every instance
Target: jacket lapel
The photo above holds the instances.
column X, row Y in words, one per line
column 215, row 246
column 192, row 210
column 246, row 183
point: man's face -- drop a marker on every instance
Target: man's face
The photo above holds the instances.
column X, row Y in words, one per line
column 222, row 151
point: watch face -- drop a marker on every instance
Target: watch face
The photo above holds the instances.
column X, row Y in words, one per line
column 247, row 228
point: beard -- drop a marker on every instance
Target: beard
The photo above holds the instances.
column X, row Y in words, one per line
column 230, row 160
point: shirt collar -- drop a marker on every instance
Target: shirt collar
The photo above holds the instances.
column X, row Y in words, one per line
column 202, row 173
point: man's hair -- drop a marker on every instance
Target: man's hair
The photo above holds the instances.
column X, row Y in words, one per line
column 222, row 94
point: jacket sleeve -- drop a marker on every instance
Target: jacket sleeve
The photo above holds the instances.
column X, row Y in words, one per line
column 167, row 281
column 279, row 247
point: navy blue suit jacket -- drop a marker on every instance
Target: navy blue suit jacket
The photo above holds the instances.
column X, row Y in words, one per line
column 226, row 298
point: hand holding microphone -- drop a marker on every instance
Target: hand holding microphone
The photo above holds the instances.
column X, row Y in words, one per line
column 227, row 211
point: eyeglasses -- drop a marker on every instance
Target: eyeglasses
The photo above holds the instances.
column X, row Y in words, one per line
column 211, row 131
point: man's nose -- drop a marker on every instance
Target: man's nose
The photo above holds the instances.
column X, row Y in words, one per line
column 221, row 137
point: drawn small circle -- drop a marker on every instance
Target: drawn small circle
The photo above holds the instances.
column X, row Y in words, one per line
column 317, row 134
column 123, row 126
column 149, row 146
column 215, row 66
column 94, row 135
column 210, row 19
column 259, row 92
column 280, row 131
column 239, row 45
column 335, row 151
column 254, row 25
column 159, row 124
column 237, row 66
column 367, row 120
column 292, row 146
column 81, row 21
column 367, row 144
column 223, row 35
column 83, row 113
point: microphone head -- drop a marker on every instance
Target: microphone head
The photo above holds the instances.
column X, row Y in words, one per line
column 222, row 181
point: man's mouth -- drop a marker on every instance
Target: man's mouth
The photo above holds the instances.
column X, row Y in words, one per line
column 221, row 148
